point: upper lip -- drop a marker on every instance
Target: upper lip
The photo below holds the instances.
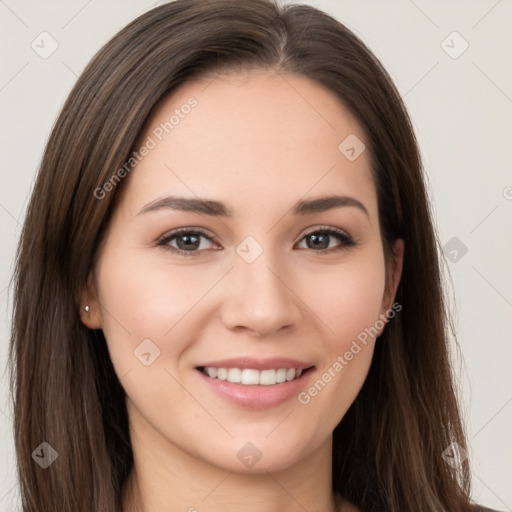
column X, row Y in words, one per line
column 258, row 364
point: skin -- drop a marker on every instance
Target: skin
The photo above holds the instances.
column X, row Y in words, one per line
column 258, row 142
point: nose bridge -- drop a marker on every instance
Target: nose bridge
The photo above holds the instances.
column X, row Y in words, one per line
column 258, row 295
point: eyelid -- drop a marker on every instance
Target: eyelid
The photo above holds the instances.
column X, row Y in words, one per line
column 178, row 231
column 314, row 229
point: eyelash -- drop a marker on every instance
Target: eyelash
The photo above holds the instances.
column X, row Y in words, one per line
column 346, row 240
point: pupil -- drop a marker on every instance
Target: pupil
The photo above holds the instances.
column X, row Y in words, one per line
column 188, row 238
column 316, row 238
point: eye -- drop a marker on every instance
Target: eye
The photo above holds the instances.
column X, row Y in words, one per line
column 188, row 241
column 320, row 239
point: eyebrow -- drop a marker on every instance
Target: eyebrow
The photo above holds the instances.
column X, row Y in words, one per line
column 219, row 209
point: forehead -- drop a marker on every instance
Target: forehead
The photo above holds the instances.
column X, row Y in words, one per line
column 248, row 137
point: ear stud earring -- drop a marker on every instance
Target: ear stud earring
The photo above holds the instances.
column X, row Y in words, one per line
column 87, row 308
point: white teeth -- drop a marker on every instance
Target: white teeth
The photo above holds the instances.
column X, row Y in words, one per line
column 267, row 377
column 234, row 375
column 251, row 377
column 281, row 375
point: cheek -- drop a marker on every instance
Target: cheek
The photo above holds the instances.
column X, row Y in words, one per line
column 146, row 318
column 130, row 304
column 349, row 300
column 349, row 312
column 146, row 300
column 150, row 302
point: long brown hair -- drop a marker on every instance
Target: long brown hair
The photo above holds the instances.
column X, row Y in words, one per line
column 387, row 450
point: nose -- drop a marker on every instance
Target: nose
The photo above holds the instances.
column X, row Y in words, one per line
column 260, row 298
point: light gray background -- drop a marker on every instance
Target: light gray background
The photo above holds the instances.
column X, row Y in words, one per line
column 462, row 113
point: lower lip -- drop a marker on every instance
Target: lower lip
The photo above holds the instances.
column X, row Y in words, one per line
column 257, row 396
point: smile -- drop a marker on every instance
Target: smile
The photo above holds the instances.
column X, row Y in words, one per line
column 253, row 377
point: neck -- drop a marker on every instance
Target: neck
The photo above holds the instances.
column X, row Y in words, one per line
column 165, row 476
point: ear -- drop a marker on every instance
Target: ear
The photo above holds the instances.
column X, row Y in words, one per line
column 394, row 273
column 89, row 297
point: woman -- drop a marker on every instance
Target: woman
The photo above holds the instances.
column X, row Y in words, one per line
column 227, row 289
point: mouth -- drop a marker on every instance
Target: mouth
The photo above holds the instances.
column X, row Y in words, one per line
column 254, row 377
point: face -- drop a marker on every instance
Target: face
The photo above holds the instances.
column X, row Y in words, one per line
column 254, row 275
